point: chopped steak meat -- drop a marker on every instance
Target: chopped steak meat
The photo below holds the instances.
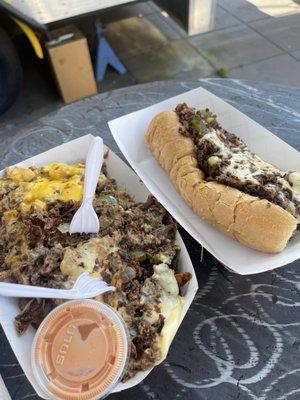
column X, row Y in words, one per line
column 37, row 249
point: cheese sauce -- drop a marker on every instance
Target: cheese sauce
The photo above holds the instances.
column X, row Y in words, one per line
column 53, row 182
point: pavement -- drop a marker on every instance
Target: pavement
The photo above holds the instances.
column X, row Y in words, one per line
column 257, row 39
column 251, row 39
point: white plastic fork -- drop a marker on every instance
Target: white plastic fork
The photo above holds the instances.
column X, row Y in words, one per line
column 85, row 287
column 85, row 219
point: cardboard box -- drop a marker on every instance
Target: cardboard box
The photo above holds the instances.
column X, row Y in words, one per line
column 71, row 64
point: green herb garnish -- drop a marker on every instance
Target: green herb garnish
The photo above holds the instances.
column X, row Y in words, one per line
column 196, row 125
column 108, row 199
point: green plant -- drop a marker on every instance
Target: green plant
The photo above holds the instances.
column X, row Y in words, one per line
column 222, row 72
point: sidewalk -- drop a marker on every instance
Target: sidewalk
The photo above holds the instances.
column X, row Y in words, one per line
column 258, row 40
column 252, row 39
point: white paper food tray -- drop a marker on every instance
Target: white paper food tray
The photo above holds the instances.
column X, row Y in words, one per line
column 129, row 132
column 71, row 152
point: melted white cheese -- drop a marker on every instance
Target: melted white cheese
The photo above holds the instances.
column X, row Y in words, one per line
column 240, row 163
column 168, row 304
column 171, row 305
column 294, row 178
column 243, row 171
column 83, row 257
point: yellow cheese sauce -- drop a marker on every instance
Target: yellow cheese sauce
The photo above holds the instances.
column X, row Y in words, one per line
column 47, row 184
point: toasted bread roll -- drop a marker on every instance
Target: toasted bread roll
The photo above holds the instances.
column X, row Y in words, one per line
column 255, row 222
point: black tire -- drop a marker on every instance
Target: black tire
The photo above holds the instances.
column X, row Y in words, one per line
column 10, row 72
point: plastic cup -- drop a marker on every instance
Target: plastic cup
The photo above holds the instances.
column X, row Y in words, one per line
column 80, row 351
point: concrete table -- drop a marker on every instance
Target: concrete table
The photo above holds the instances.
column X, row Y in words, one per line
column 241, row 337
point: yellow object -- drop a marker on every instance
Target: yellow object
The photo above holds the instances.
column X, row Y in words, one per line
column 32, row 37
column 171, row 305
column 171, row 310
column 294, row 178
column 48, row 184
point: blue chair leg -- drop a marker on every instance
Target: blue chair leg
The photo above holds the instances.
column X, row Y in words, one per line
column 104, row 56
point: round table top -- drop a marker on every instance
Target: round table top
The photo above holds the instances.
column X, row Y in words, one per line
column 241, row 336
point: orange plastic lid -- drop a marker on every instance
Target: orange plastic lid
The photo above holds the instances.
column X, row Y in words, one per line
column 80, row 351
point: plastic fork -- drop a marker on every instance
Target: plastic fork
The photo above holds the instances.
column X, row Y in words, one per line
column 85, row 287
column 85, row 219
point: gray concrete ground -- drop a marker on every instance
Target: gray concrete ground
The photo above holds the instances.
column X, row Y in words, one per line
column 252, row 39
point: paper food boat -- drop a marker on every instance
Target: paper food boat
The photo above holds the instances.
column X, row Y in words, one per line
column 71, row 152
column 129, row 131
